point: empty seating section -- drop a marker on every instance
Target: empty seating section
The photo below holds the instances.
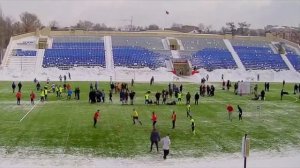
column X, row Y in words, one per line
column 151, row 43
column 138, row 57
column 207, row 53
column 196, row 44
column 139, row 52
column 70, row 51
column 20, row 52
column 293, row 57
column 257, row 55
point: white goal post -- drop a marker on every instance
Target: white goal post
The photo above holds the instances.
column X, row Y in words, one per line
column 244, row 88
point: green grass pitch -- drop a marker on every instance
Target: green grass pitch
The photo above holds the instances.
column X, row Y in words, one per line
column 66, row 125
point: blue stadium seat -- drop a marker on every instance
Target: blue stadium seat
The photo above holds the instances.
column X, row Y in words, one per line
column 20, row 52
column 207, row 53
column 293, row 57
column 72, row 51
column 139, row 52
column 260, row 58
column 138, row 57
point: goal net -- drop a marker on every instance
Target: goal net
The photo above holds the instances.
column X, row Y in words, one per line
column 244, row 88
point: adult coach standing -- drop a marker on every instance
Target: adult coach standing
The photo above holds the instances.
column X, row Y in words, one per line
column 96, row 117
column 166, row 142
column 154, row 138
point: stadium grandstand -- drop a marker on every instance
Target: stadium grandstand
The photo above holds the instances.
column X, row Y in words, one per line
column 173, row 52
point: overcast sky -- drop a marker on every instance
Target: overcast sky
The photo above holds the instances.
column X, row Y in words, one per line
column 144, row 12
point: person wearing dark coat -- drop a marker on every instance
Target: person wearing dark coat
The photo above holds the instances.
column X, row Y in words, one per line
column 212, row 90
column 77, row 93
column 112, row 87
column 91, row 86
column 262, row 95
column 208, row 90
column 228, row 85
column 197, row 96
column 110, row 95
column 268, row 86
column 13, row 86
column 283, row 93
column 223, row 85
column 154, row 138
column 103, row 96
column 180, row 88
column 20, row 86
column 131, row 96
column 98, row 96
column 38, row 86
column 265, row 86
column 188, row 98
column 92, row 96
column 157, row 96
column 240, row 112
column 295, row 88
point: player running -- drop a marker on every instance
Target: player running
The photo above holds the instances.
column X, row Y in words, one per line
column 135, row 117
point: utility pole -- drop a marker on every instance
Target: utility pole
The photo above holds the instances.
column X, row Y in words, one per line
column 131, row 22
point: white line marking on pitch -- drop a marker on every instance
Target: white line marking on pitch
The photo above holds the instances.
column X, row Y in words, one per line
column 29, row 111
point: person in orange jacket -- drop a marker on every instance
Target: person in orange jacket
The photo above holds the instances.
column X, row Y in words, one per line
column 32, row 97
column 173, row 119
column 96, row 117
column 154, row 118
column 19, row 96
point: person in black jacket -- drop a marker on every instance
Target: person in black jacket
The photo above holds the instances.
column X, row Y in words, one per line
column 197, row 96
column 110, row 96
column 157, row 96
column 38, row 86
column 92, row 96
column 77, row 93
column 188, row 98
column 20, row 86
column 131, row 96
column 154, row 138
column 295, row 88
column 240, row 112
column 13, row 86
column 262, row 95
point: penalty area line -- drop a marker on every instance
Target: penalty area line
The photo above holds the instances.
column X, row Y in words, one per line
column 29, row 111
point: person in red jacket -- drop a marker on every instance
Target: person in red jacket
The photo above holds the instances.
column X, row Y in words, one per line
column 173, row 119
column 32, row 97
column 19, row 96
column 154, row 118
column 229, row 110
column 96, row 117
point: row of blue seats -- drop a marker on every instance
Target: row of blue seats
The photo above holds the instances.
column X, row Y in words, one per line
column 73, row 57
column 77, row 45
column 260, row 58
column 137, row 57
column 74, row 52
column 295, row 61
column 211, row 58
column 20, row 52
column 245, row 49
